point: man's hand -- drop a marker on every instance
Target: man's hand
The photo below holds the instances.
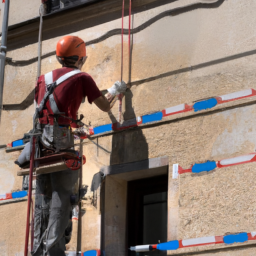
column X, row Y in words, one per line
column 105, row 103
column 117, row 88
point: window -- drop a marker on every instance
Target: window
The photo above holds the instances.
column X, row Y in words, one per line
column 55, row 5
column 147, row 213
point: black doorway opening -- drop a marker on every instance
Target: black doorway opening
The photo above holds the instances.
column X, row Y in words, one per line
column 147, row 213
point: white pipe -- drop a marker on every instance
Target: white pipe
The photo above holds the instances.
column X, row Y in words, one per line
column 140, row 248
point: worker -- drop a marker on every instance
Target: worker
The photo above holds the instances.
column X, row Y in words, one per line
column 59, row 113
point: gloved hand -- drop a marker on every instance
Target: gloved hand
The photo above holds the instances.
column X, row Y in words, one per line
column 117, row 88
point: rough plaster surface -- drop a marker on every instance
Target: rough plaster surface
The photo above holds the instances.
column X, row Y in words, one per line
column 30, row 9
column 208, row 204
column 235, row 138
column 12, row 223
column 115, row 216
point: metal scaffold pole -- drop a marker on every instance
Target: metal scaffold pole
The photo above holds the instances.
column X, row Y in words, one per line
column 3, row 50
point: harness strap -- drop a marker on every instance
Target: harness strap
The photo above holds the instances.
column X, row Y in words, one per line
column 50, row 86
column 48, row 78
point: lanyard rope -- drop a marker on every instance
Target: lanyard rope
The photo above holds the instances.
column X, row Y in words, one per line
column 120, row 96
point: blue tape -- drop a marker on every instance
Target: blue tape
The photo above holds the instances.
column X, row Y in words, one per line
column 208, row 166
column 103, row 128
column 19, row 194
column 238, row 238
column 17, row 143
column 152, row 118
column 91, row 253
column 202, row 105
column 172, row 245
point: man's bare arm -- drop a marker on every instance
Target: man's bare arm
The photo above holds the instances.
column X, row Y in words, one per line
column 102, row 103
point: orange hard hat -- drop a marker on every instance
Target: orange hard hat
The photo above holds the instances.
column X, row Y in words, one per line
column 70, row 46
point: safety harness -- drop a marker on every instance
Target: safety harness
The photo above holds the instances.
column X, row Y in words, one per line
column 50, row 86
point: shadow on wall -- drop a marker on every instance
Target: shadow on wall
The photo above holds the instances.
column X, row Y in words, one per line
column 128, row 146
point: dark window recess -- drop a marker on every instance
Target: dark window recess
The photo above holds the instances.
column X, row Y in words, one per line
column 51, row 5
column 147, row 213
column 54, row 5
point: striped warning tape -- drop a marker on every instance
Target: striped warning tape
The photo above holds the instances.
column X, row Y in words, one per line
column 158, row 116
column 14, row 195
column 87, row 253
column 184, row 243
column 211, row 165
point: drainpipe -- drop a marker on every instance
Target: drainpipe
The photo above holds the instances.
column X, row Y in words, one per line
column 3, row 50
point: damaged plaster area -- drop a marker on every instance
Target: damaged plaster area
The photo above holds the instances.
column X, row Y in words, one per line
column 239, row 137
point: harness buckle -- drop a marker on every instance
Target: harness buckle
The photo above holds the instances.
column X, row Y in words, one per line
column 51, row 87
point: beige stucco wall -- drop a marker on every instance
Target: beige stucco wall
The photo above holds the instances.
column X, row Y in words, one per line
column 200, row 205
column 20, row 11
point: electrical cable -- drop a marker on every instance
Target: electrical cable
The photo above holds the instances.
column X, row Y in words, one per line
column 121, row 95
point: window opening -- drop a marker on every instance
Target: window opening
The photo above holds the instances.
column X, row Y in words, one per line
column 147, row 213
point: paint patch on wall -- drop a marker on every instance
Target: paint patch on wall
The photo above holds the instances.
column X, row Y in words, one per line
column 14, row 126
column 198, row 241
column 238, row 238
column 103, row 128
column 19, row 194
column 208, row 166
column 205, row 104
column 172, row 245
column 152, row 118
column 239, row 136
column 9, row 180
column 91, row 253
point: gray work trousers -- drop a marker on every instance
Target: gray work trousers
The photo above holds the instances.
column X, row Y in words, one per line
column 53, row 211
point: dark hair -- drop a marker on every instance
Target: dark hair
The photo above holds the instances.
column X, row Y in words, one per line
column 67, row 61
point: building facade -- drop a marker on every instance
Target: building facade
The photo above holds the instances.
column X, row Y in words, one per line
column 181, row 165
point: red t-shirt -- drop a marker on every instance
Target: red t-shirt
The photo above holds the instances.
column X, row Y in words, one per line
column 68, row 95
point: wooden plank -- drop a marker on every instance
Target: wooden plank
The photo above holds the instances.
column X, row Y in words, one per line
column 45, row 169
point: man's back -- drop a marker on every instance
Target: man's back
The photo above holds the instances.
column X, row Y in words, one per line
column 69, row 94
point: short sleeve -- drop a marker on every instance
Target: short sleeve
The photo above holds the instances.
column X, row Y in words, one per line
column 90, row 89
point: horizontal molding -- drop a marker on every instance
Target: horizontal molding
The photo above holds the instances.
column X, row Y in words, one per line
column 13, row 195
column 212, row 165
column 76, row 19
column 108, row 8
column 195, row 242
column 135, row 166
column 170, row 115
column 174, row 110
column 11, row 201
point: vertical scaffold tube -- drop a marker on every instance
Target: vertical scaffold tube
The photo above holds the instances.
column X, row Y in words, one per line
column 3, row 50
column 29, row 193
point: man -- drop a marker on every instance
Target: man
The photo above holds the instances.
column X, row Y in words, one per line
column 58, row 115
